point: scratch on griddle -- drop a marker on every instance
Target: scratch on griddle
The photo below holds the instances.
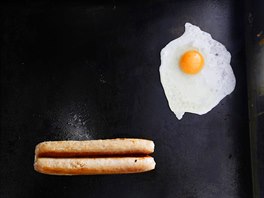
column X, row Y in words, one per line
column 114, row 5
column 260, row 114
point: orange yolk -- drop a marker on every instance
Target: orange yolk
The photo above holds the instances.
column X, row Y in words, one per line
column 191, row 62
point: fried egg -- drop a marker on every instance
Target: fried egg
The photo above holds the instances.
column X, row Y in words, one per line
column 195, row 72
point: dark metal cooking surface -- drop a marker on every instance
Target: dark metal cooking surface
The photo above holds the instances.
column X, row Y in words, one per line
column 255, row 65
column 88, row 71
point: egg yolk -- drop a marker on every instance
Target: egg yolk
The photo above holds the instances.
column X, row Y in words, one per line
column 191, row 62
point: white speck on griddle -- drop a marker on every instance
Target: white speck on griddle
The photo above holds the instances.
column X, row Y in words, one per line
column 101, row 79
column 74, row 117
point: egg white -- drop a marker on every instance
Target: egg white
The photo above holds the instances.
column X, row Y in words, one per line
column 201, row 92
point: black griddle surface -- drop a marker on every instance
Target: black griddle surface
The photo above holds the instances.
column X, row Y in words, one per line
column 91, row 70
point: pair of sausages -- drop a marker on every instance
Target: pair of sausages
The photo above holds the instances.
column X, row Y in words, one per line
column 91, row 157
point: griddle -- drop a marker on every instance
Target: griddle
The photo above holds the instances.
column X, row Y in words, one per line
column 90, row 70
